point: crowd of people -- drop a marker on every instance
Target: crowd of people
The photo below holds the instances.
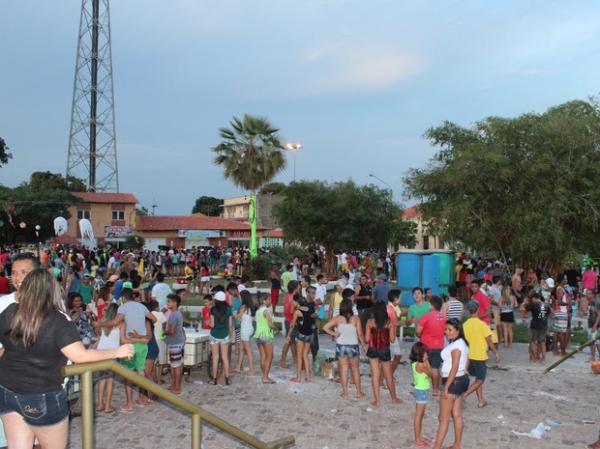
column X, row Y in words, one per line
column 112, row 304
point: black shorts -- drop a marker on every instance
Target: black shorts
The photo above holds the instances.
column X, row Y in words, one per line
column 537, row 335
column 478, row 369
column 384, row 356
column 459, row 386
column 435, row 358
column 507, row 317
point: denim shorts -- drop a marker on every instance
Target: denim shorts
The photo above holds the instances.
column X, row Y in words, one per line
column 459, row 386
column 422, row 396
column 40, row 409
column 435, row 358
column 304, row 338
column 350, row 351
column 478, row 369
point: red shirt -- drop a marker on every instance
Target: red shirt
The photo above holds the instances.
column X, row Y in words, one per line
column 288, row 307
column 206, row 318
column 4, row 287
column 434, row 325
column 484, row 305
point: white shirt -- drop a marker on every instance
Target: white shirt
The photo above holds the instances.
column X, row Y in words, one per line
column 160, row 292
column 241, row 288
column 343, row 258
column 6, row 301
column 447, row 358
column 110, row 341
column 321, row 291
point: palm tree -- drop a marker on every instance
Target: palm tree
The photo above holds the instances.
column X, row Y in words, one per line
column 251, row 155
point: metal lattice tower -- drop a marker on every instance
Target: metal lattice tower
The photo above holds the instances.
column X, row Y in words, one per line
column 92, row 139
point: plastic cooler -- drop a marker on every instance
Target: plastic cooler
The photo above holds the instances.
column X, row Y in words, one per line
column 197, row 348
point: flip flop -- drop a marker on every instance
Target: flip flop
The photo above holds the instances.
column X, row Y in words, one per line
column 124, row 410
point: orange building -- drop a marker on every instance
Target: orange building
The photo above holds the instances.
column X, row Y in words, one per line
column 112, row 215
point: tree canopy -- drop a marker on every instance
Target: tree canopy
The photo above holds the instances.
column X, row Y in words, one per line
column 250, row 152
column 526, row 187
column 275, row 188
column 37, row 202
column 5, row 155
column 208, row 205
column 341, row 215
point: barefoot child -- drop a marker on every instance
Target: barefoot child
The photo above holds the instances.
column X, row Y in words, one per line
column 349, row 337
column 380, row 332
column 246, row 330
column 109, row 339
column 265, row 331
column 175, row 340
column 421, row 372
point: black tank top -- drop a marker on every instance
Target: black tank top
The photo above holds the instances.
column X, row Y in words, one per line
column 365, row 290
column 304, row 325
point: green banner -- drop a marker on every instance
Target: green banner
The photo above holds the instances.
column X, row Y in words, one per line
column 252, row 218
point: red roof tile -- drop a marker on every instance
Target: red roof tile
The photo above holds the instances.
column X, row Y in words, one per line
column 102, row 197
column 412, row 212
column 274, row 233
column 188, row 222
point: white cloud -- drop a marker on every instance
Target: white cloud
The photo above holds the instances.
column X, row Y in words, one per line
column 343, row 67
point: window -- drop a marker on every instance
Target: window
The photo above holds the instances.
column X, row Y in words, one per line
column 83, row 213
column 426, row 242
column 118, row 215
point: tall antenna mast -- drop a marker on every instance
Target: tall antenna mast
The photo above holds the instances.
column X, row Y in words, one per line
column 92, row 140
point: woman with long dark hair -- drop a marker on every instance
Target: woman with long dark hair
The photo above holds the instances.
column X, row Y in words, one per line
column 380, row 332
column 38, row 340
column 221, row 328
column 455, row 380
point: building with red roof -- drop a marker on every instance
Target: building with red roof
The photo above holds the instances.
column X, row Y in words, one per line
column 186, row 231
column 112, row 216
column 425, row 241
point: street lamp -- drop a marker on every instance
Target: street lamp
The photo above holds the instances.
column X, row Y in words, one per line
column 37, row 238
column 381, row 180
column 294, row 148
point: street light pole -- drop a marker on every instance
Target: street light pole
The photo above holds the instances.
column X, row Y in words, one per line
column 294, row 148
column 382, row 181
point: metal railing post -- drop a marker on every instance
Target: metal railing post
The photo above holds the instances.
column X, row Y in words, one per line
column 87, row 410
column 196, row 431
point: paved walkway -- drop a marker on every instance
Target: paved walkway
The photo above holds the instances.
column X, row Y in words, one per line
column 519, row 397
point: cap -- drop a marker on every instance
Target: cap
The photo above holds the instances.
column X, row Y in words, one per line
column 127, row 284
column 550, row 283
column 382, row 276
column 472, row 306
column 87, row 275
column 220, row 296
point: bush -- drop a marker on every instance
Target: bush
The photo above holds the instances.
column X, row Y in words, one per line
column 285, row 254
column 260, row 267
column 134, row 242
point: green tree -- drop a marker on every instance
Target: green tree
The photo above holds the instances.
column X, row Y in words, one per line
column 38, row 202
column 40, row 181
column 341, row 215
column 274, row 188
column 251, row 156
column 525, row 187
column 5, row 155
column 208, row 205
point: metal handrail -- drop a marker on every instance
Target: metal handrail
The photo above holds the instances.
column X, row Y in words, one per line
column 85, row 371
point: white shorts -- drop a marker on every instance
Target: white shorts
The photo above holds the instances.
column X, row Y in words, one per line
column 246, row 333
column 162, row 352
column 205, row 279
column 395, row 348
column 216, row 341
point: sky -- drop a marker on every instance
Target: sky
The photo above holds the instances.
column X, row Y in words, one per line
column 356, row 82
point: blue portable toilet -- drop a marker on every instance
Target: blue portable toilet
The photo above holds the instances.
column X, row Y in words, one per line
column 432, row 269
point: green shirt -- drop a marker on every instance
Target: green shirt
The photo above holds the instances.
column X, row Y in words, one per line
column 87, row 293
column 286, row 277
column 420, row 380
column 416, row 311
column 221, row 328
